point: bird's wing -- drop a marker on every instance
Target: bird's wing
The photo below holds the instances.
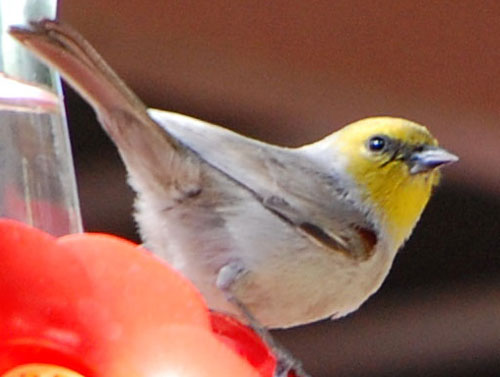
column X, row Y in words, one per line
column 147, row 150
column 288, row 184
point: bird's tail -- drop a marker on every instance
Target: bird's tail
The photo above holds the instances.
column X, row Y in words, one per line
column 143, row 144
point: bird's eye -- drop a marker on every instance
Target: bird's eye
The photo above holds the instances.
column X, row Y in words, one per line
column 377, row 143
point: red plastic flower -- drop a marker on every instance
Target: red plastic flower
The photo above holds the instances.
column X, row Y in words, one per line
column 97, row 305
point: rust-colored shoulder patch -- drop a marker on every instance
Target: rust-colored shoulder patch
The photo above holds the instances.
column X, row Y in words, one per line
column 369, row 238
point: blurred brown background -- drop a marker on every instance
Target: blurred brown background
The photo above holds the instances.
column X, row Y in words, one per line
column 292, row 71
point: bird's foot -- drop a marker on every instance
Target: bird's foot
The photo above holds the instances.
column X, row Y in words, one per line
column 286, row 364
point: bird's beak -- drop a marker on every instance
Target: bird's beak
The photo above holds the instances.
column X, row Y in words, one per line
column 430, row 158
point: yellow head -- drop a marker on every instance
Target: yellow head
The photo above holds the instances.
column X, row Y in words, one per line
column 393, row 161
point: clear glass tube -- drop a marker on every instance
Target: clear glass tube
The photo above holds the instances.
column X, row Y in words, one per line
column 37, row 180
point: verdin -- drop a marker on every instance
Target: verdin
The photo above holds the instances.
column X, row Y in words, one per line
column 293, row 234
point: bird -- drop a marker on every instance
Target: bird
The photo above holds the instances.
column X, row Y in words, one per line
column 290, row 235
